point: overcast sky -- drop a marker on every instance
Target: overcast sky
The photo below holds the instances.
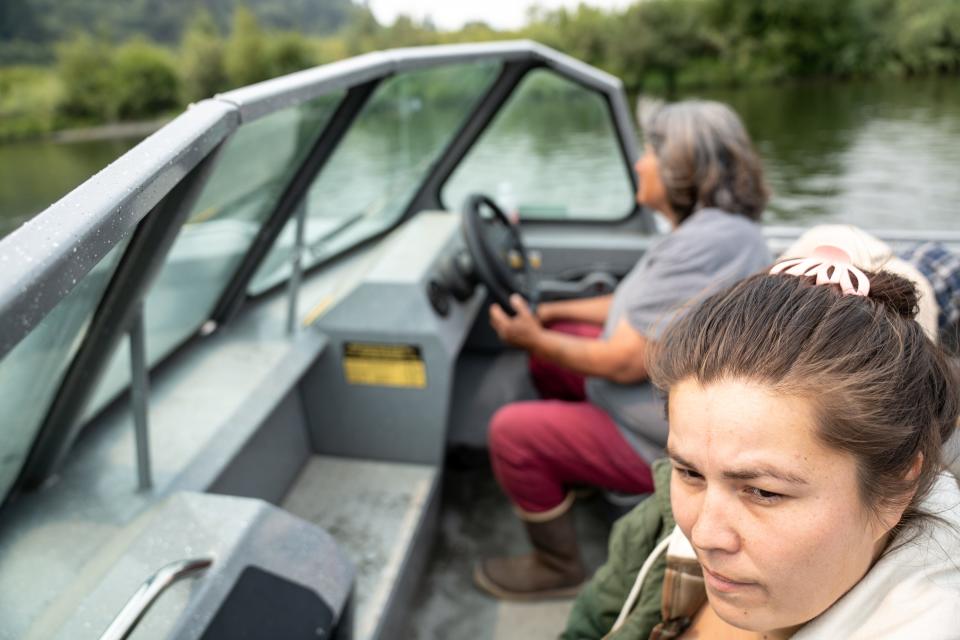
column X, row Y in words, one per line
column 452, row 14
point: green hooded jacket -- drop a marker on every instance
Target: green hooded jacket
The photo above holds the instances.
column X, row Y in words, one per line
column 633, row 538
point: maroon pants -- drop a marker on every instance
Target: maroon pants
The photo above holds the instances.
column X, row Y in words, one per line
column 539, row 449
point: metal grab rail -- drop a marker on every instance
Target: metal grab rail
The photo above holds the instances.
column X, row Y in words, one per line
column 126, row 621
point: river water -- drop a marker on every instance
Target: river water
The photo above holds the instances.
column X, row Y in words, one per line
column 879, row 155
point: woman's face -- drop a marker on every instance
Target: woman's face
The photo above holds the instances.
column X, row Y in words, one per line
column 774, row 516
column 651, row 192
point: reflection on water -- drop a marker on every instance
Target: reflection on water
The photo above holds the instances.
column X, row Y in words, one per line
column 881, row 155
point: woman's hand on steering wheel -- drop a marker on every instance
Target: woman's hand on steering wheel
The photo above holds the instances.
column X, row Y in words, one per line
column 522, row 329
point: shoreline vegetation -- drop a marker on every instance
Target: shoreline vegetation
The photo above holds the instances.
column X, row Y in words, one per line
column 126, row 80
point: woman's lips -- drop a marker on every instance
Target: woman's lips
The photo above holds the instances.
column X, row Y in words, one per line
column 723, row 584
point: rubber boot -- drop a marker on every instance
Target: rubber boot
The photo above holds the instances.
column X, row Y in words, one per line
column 553, row 570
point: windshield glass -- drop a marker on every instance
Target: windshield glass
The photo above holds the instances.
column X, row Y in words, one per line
column 30, row 374
column 552, row 152
column 250, row 175
column 380, row 163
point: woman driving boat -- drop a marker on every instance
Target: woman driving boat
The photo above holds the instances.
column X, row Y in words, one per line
column 805, row 494
column 599, row 423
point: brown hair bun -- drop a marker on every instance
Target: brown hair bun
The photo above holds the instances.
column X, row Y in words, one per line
column 896, row 293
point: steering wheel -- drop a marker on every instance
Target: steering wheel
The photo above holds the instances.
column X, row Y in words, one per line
column 490, row 239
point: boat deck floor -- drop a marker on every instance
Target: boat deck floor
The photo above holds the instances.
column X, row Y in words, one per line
column 373, row 510
column 476, row 520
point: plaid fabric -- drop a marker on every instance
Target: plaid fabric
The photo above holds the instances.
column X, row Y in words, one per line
column 942, row 269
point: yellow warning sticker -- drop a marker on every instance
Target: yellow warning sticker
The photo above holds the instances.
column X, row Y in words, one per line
column 384, row 365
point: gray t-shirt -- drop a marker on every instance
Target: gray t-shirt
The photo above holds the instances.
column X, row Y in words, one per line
column 710, row 250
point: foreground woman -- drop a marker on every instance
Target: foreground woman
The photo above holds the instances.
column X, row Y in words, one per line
column 805, row 494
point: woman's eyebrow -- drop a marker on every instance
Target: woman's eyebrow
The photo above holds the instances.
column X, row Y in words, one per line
column 752, row 473
column 763, row 471
column 678, row 459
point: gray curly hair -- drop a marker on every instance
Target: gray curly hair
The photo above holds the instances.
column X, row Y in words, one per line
column 706, row 157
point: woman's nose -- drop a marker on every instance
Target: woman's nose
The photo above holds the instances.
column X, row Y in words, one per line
column 714, row 528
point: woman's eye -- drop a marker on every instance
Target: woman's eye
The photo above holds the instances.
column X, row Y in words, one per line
column 688, row 474
column 760, row 495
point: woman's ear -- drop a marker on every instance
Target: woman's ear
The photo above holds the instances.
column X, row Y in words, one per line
column 914, row 472
column 891, row 513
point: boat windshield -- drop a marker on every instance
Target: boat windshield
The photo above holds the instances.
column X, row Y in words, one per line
column 377, row 168
column 251, row 172
column 31, row 373
column 551, row 133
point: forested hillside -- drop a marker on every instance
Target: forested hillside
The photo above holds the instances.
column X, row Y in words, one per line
column 69, row 63
column 29, row 28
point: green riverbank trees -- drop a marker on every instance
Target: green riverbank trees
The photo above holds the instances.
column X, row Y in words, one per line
column 657, row 46
column 30, row 29
column 663, row 45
